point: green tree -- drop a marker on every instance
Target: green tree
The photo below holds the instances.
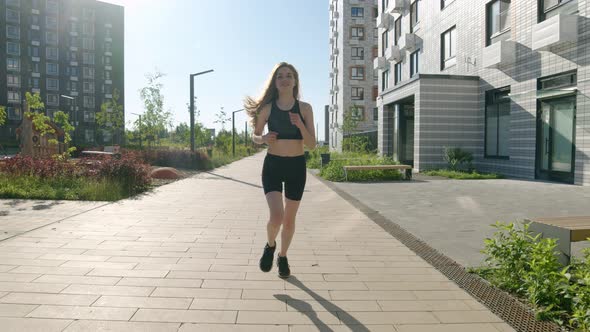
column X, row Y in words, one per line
column 36, row 114
column 155, row 119
column 111, row 117
column 222, row 118
column 349, row 127
column 61, row 119
column 2, row 115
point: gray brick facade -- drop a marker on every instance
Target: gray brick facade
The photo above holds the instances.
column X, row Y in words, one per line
column 450, row 104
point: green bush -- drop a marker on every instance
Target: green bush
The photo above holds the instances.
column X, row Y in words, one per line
column 334, row 172
column 458, row 159
column 527, row 266
column 315, row 160
column 459, row 175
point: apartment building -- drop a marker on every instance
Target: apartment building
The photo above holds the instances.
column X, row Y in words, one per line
column 69, row 51
column 353, row 44
column 505, row 80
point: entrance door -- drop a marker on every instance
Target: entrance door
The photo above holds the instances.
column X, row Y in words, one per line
column 406, row 155
column 555, row 139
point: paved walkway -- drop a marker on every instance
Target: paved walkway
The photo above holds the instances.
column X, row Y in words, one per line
column 454, row 216
column 184, row 258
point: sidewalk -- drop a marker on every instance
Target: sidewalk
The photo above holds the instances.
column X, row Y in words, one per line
column 185, row 258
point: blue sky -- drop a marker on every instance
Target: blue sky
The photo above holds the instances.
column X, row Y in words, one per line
column 240, row 39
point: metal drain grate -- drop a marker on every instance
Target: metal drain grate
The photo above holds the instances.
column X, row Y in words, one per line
column 505, row 306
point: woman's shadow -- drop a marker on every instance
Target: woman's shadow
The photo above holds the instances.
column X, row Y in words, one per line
column 352, row 323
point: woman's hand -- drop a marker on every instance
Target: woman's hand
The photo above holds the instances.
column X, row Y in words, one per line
column 269, row 138
column 296, row 120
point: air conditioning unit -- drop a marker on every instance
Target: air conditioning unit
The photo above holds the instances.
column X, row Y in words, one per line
column 332, row 57
column 395, row 54
column 335, row 34
column 332, row 40
column 336, row 51
column 331, row 7
column 409, row 42
column 331, row 126
column 335, row 71
column 336, row 88
column 335, row 107
column 384, row 20
column 332, row 23
column 379, row 62
column 336, row 15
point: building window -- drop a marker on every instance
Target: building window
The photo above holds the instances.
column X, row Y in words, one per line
column 12, row 48
column 497, row 21
column 398, row 73
column 88, row 58
column 35, row 68
column 89, row 135
column 52, row 68
column 107, row 32
column 34, row 82
column 357, row 12
column 357, row 112
column 107, row 89
column 358, row 53
column 357, row 93
column 108, row 47
column 357, row 73
column 74, row 41
column 53, row 99
column 357, row 33
column 12, row 16
column 52, row 84
column 35, row 19
column 375, row 114
column 13, row 64
column 14, row 113
column 549, row 8
column 445, row 3
column 414, row 15
column 74, row 71
column 414, row 63
column 107, row 75
column 375, row 12
column 74, row 86
column 384, row 42
column 88, row 43
column 52, row 53
column 398, row 30
column 89, row 101
column 51, row 37
column 88, row 29
column 88, row 87
column 385, row 80
column 74, row 26
column 88, row 14
column 13, row 97
column 52, row 7
column 13, row 80
column 88, row 72
column 384, row 5
column 497, row 123
column 13, row 3
column 448, row 48
column 34, row 51
column 73, row 55
column 12, row 32
column 89, row 116
column 375, row 92
column 375, row 51
column 107, row 60
column 51, row 22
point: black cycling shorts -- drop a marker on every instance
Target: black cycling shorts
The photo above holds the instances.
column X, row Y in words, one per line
column 290, row 170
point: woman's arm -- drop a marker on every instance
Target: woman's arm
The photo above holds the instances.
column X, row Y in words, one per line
column 261, row 120
column 307, row 130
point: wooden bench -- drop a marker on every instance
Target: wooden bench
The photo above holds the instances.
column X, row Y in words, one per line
column 565, row 229
column 347, row 168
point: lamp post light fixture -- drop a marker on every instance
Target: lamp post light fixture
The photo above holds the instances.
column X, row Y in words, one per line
column 192, row 106
column 75, row 117
column 233, row 131
column 139, row 128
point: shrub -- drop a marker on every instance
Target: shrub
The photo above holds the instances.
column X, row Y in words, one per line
column 41, row 167
column 129, row 170
column 334, row 172
column 458, row 159
column 177, row 158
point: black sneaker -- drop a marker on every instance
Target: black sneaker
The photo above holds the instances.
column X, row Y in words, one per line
column 283, row 264
column 267, row 256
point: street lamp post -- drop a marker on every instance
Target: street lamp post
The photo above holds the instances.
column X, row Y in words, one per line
column 192, row 106
column 75, row 118
column 233, row 131
column 139, row 128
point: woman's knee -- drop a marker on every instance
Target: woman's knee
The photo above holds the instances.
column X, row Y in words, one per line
column 276, row 219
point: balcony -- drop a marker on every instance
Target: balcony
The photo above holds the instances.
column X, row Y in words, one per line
column 332, row 23
column 398, row 6
column 394, row 53
column 379, row 62
column 555, row 31
column 409, row 42
column 499, row 54
column 384, row 20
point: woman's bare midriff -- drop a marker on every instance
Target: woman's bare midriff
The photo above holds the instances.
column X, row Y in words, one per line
column 286, row 148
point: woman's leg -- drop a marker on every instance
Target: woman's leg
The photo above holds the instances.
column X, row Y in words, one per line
column 275, row 205
column 291, row 208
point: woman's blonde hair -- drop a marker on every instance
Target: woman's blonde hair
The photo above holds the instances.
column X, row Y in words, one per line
column 271, row 93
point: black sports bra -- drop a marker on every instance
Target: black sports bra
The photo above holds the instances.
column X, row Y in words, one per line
column 279, row 122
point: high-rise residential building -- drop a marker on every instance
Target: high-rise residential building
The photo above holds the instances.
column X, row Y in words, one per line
column 353, row 44
column 505, row 80
column 69, row 51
